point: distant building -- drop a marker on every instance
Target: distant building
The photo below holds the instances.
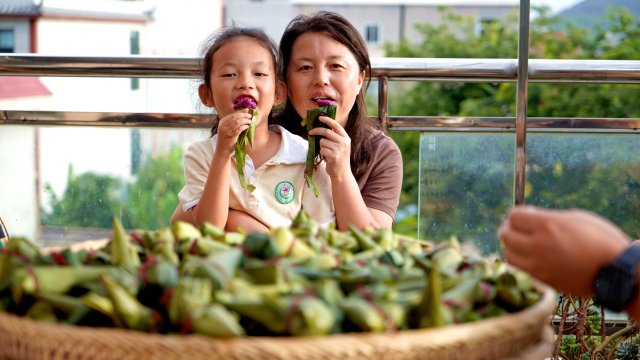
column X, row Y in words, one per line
column 379, row 21
column 88, row 28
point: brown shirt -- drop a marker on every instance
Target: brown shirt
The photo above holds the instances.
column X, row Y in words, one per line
column 381, row 183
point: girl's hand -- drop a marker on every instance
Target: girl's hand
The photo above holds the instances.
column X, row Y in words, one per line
column 229, row 128
column 335, row 148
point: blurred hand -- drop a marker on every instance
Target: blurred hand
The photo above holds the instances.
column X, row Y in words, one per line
column 563, row 248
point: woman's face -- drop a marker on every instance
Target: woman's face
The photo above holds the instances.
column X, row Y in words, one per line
column 322, row 68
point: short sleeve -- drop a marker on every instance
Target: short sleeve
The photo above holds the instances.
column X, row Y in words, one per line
column 197, row 161
column 382, row 188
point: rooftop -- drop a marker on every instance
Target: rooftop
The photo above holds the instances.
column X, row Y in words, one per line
column 112, row 10
column 21, row 86
column 410, row 2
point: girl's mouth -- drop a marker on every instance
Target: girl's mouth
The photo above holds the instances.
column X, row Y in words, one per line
column 244, row 102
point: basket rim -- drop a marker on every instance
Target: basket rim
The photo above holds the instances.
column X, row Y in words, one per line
column 528, row 317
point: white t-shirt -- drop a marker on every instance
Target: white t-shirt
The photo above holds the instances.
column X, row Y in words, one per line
column 280, row 187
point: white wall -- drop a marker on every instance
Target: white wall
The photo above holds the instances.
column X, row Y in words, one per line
column 272, row 16
column 178, row 28
column 18, row 204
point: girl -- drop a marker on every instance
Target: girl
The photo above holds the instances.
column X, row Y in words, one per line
column 243, row 64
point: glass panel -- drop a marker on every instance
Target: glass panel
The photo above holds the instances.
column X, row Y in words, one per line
column 84, row 178
column 600, row 173
column 466, row 186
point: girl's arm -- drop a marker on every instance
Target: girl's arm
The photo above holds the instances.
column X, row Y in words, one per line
column 213, row 206
column 214, row 202
column 179, row 215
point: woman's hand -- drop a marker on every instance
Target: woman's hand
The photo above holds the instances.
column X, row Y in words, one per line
column 229, row 128
column 335, row 147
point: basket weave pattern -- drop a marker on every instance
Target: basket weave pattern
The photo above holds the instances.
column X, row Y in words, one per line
column 493, row 338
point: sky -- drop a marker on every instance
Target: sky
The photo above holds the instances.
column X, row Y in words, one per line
column 555, row 5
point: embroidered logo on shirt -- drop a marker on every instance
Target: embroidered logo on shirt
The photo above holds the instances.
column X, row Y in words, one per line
column 284, row 192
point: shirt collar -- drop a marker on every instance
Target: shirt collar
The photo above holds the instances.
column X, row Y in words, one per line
column 292, row 150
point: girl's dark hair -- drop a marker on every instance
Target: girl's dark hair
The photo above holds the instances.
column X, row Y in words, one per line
column 358, row 124
column 221, row 38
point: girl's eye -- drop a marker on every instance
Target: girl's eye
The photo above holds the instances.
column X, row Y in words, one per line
column 261, row 74
column 228, row 75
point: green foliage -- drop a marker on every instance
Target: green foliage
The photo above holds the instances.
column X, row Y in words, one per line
column 153, row 195
column 466, row 196
column 628, row 349
column 89, row 200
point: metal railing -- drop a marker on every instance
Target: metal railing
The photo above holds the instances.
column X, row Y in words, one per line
column 521, row 70
column 384, row 70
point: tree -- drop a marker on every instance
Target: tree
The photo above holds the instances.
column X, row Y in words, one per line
column 89, row 200
column 460, row 194
column 153, row 196
column 92, row 200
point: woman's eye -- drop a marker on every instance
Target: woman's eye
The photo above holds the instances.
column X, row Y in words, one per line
column 336, row 66
column 304, row 68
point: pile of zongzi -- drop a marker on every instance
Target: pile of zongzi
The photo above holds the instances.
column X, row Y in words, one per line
column 300, row 280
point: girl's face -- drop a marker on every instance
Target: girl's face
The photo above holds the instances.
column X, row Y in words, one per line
column 240, row 68
column 321, row 67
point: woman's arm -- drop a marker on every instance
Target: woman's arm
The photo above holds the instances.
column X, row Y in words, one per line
column 241, row 220
column 351, row 208
column 348, row 200
column 236, row 219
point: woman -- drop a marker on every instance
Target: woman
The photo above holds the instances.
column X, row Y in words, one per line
column 325, row 57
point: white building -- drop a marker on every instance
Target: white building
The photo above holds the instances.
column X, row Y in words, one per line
column 87, row 28
column 379, row 21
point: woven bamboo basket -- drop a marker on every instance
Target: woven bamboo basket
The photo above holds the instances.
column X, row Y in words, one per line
column 495, row 338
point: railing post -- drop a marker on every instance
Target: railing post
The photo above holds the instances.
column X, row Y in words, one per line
column 521, row 103
column 383, row 86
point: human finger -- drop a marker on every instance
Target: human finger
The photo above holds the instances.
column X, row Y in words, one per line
column 331, row 135
column 515, row 241
column 529, row 218
column 520, row 260
column 333, row 124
